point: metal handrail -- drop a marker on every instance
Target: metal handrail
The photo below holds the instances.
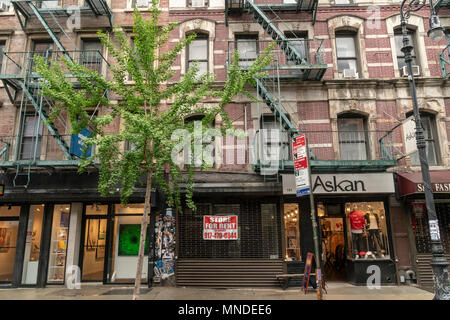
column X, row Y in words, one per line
column 444, row 61
column 22, row 58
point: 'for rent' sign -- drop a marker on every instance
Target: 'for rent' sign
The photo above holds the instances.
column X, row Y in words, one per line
column 220, row 228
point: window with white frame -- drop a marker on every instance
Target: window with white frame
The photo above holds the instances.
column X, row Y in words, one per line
column 31, row 138
column 346, row 53
column 140, row 3
column 299, row 41
column 196, row 3
column 48, row 4
column 247, row 46
column 274, row 139
column 399, row 45
column 5, row 5
column 91, row 57
column 197, row 52
column 353, row 138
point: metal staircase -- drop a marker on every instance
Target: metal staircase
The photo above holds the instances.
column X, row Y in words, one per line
column 291, row 53
column 290, row 63
column 18, row 74
column 444, row 60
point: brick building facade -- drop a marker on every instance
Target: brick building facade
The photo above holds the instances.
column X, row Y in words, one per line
column 348, row 94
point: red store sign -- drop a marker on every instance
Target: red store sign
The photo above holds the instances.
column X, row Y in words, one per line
column 220, row 228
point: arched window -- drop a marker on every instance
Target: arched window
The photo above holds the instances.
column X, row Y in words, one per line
column 353, row 137
column 431, row 139
column 197, row 51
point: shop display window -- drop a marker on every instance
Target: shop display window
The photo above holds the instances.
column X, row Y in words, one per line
column 9, row 227
column 292, row 232
column 125, row 246
column 58, row 243
column 94, row 249
column 366, row 230
column 33, row 244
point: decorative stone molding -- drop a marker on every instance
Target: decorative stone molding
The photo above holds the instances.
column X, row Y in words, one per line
column 415, row 22
column 199, row 25
column 352, row 23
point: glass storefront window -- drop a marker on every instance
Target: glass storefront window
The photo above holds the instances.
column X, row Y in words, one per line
column 366, row 230
column 96, row 209
column 8, row 240
column 125, row 247
column 58, row 243
column 94, row 248
column 33, row 244
column 292, row 232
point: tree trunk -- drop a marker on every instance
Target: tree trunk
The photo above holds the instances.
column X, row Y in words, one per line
column 144, row 224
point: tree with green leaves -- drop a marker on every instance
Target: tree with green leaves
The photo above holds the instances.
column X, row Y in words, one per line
column 151, row 108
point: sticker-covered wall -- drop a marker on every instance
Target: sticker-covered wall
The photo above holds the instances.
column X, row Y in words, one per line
column 165, row 248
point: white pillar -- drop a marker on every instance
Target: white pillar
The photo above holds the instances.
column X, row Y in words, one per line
column 73, row 246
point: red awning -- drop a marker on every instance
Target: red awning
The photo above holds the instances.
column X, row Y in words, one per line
column 410, row 183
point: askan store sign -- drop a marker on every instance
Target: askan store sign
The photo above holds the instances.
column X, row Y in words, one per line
column 344, row 183
column 220, row 228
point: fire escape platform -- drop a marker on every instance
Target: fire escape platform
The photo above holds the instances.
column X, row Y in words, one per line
column 287, row 166
column 441, row 4
column 65, row 8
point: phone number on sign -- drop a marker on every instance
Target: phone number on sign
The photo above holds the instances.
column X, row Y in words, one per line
column 220, row 236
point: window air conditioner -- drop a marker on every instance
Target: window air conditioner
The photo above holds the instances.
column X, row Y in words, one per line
column 3, row 6
column 350, row 73
column 404, row 71
column 142, row 3
column 198, row 3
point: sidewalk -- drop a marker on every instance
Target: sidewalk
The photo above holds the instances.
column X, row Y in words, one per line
column 336, row 291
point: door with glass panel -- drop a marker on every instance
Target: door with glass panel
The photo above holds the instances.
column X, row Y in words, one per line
column 9, row 229
column 33, row 244
column 58, row 243
column 126, row 234
column 94, row 242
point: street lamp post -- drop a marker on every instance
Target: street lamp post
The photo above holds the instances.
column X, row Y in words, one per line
column 438, row 262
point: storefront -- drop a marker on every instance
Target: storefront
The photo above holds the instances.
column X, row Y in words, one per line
column 354, row 226
column 411, row 191
column 230, row 240
column 42, row 242
column 110, row 243
column 33, row 243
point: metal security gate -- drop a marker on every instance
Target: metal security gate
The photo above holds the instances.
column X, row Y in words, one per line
column 253, row 260
column 423, row 244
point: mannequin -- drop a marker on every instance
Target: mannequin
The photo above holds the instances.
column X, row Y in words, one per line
column 373, row 227
column 357, row 223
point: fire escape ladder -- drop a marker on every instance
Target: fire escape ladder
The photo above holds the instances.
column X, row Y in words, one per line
column 268, row 25
column 37, row 101
column 274, row 106
column 49, row 28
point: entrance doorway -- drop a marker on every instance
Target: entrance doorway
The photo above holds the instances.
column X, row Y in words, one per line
column 9, row 229
column 333, row 242
column 33, row 245
column 94, row 242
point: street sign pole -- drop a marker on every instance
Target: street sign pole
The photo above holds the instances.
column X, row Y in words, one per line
column 303, row 183
column 315, row 230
